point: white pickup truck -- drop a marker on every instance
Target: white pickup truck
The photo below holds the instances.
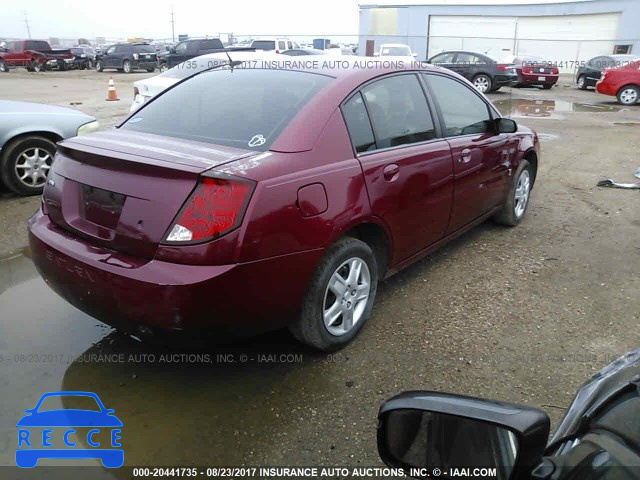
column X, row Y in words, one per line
column 395, row 50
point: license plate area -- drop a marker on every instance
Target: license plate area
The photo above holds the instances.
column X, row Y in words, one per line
column 542, row 79
column 101, row 207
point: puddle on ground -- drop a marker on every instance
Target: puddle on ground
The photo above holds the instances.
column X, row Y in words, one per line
column 530, row 107
column 223, row 405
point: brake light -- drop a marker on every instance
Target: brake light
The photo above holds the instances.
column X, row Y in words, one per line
column 502, row 67
column 135, row 92
column 216, row 206
column 554, row 71
column 527, row 70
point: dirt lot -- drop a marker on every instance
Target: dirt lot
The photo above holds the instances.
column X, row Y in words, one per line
column 523, row 315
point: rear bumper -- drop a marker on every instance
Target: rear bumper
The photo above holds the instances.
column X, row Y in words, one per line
column 130, row 293
column 505, row 80
column 606, row 88
column 533, row 79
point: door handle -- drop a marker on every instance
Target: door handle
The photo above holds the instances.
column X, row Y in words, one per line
column 390, row 171
column 465, row 156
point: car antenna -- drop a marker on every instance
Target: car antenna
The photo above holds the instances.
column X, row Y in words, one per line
column 232, row 63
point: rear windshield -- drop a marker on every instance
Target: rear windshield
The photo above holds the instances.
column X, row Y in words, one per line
column 144, row 48
column 264, row 44
column 243, row 108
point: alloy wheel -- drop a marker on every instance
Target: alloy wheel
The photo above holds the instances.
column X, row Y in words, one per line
column 629, row 96
column 481, row 83
column 521, row 196
column 346, row 296
column 32, row 167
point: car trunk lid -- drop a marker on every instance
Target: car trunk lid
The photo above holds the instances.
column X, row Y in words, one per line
column 122, row 190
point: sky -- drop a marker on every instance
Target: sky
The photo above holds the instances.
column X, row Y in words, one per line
column 152, row 19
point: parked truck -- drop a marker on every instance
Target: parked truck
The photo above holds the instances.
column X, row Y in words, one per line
column 35, row 55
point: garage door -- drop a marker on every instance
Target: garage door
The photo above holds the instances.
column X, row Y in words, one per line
column 563, row 39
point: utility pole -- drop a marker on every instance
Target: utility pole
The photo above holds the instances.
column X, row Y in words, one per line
column 26, row 22
column 173, row 26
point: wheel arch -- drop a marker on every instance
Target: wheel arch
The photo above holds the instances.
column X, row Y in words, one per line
column 54, row 136
column 377, row 236
column 531, row 156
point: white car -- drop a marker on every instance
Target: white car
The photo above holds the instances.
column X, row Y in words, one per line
column 396, row 50
column 277, row 44
column 144, row 90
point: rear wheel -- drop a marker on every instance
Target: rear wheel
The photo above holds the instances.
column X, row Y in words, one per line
column 482, row 83
column 582, row 82
column 25, row 164
column 36, row 67
column 339, row 297
column 628, row 95
column 126, row 66
column 3, row 66
column 517, row 201
column 163, row 67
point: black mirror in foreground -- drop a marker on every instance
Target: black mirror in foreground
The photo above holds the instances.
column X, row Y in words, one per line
column 429, row 433
column 506, row 125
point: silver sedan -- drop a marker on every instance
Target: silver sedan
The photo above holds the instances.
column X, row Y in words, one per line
column 28, row 136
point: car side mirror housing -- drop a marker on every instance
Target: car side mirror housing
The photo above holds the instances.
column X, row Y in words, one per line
column 506, row 125
column 426, row 432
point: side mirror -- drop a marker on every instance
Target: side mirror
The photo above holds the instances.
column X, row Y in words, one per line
column 506, row 125
column 430, row 433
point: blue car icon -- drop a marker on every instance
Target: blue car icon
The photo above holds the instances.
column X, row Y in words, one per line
column 30, row 450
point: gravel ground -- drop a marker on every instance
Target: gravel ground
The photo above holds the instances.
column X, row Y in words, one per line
column 522, row 315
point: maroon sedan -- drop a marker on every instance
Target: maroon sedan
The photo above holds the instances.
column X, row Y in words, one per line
column 535, row 71
column 246, row 199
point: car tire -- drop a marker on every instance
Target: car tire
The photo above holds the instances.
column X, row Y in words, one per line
column 628, row 95
column 482, row 83
column 163, row 67
column 37, row 67
column 89, row 64
column 581, row 83
column 151, row 70
column 4, row 68
column 99, row 67
column 62, row 65
column 41, row 149
column 126, row 66
column 347, row 260
column 83, row 66
column 517, row 200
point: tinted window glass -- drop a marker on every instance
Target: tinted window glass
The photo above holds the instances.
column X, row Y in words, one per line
column 463, row 110
column 264, row 44
column 357, row 120
column 467, row 59
column 444, row 58
column 399, row 111
column 282, row 45
column 210, row 44
column 244, row 108
column 111, row 50
column 145, row 49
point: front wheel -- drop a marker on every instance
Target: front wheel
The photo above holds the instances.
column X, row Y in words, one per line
column 25, row 164
column 517, row 200
column 482, row 83
column 37, row 67
column 582, row 82
column 163, row 67
column 89, row 64
column 628, row 95
column 339, row 297
column 4, row 68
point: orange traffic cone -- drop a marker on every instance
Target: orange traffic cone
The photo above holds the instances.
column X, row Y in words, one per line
column 112, row 96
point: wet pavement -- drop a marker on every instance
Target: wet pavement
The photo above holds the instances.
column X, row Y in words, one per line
column 554, row 109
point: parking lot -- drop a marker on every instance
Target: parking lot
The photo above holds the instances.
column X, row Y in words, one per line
column 523, row 315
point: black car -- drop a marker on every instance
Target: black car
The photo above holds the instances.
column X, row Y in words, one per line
column 127, row 57
column 296, row 52
column 187, row 50
column 85, row 57
column 486, row 73
column 589, row 73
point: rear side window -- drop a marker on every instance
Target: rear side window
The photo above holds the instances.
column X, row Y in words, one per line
column 264, row 44
column 243, row 108
column 464, row 112
column 399, row 111
column 358, row 124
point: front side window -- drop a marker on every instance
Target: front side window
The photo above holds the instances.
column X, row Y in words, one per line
column 181, row 48
column 358, row 124
column 399, row 111
column 464, row 112
column 243, row 108
column 111, row 50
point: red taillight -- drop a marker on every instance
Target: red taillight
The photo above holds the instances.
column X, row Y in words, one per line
column 504, row 68
column 216, row 206
column 527, row 70
column 135, row 91
column 554, row 71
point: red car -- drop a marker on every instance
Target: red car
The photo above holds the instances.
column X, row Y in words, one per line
column 622, row 82
column 535, row 71
column 246, row 199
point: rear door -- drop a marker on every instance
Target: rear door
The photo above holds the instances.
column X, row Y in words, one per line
column 481, row 158
column 466, row 64
column 407, row 166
